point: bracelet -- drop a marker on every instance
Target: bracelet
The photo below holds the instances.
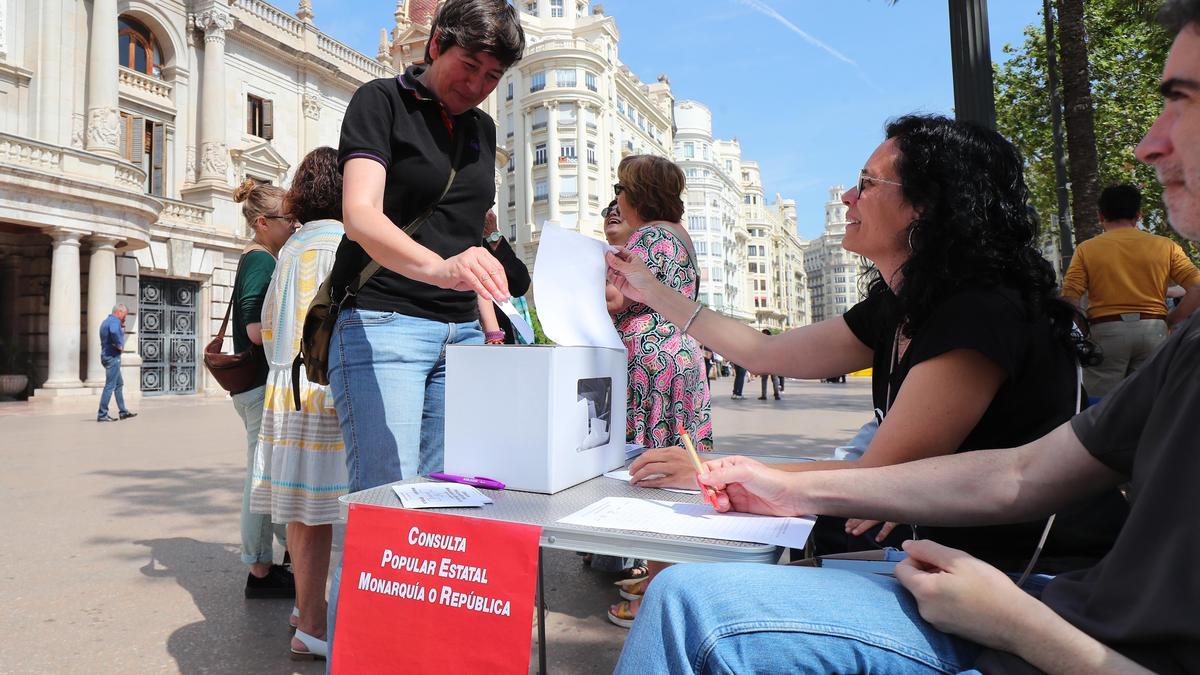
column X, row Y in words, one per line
column 699, row 306
column 492, row 335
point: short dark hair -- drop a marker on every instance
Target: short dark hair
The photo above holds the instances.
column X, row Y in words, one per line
column 489, row 26
column 316, row 192
column 1120, row 202
column 653, row 186
column 1175, row 15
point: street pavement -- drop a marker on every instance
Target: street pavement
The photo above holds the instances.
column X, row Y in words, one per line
column 122, row 545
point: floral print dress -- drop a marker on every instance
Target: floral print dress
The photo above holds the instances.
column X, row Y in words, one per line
column 666, row 367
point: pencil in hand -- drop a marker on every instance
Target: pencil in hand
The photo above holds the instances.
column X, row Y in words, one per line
column 710, row 494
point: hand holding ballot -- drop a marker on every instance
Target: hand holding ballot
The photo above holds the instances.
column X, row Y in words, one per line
column 629, row 276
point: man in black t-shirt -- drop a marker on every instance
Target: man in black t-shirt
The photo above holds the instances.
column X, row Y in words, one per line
column 1137, row 609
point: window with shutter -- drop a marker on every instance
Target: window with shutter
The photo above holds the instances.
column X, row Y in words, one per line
column 158, row 154
column 268, row 120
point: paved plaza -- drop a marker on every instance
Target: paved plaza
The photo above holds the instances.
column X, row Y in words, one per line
column 122, row 555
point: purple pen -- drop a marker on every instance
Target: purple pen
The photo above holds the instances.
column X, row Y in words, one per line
column 475, row 481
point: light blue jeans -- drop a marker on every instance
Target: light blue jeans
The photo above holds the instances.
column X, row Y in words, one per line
column 387, row 373
column 256, row 527
column 748, row 618
column 114, row 384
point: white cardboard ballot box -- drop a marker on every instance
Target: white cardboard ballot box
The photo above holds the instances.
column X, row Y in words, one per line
column 537, row 418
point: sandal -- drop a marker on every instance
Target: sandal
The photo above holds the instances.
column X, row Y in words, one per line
column 622, row 614
column 314, row 648
column 632, row 589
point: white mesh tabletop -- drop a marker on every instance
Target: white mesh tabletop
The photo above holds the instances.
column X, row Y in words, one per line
column 544, row 510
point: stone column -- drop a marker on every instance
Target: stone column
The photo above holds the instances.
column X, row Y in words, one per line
column 102, row 295
column 552, row 159
column 525, row 170
column 213, row 155
column 64, row 311
column 581, row 165
column 103, row 120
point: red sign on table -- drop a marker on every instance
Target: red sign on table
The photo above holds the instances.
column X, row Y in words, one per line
column 433, row 593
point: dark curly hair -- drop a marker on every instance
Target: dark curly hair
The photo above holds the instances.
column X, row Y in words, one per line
column 973, row 227
column 316, row 192
column 1175, row 15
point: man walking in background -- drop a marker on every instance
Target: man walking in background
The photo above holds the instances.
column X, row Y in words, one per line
column 1125, row 273
column 112, row 343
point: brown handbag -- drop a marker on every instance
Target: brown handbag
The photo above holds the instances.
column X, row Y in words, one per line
column 236, row 373
column 322, row 313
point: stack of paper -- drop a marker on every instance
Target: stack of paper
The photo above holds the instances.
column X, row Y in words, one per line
column 439, row 495
column 691, row 520
column 625, row 475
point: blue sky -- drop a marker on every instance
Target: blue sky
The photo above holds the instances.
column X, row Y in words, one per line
column 805, row 85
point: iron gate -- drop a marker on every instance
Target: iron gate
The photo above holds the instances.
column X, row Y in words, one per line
column 167, row 336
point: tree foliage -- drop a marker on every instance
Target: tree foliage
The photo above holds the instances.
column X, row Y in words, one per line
column 1126, row 51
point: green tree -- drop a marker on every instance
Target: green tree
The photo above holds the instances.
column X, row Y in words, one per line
column 1126, row 51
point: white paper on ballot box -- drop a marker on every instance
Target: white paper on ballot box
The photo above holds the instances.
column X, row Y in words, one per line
column 568, row 286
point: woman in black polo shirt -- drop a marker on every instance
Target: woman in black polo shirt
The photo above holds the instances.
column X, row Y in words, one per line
column 399, row 138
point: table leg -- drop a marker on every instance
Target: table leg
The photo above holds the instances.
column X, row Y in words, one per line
column 541, row 614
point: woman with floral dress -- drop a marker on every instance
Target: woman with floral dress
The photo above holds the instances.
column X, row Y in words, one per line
column 667, row 384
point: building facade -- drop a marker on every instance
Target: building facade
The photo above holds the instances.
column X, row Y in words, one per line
column 124, row 126
column 713, row 207
column 772, row 249
column 835, row 275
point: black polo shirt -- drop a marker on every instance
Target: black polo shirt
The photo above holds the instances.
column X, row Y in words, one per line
column 399, row 123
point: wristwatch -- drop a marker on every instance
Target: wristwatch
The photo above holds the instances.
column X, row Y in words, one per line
column 494, row 237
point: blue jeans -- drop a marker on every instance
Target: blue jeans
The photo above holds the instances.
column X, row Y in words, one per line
column 739, row 379
column 749, row 618
column 256, row 527
column 387, row 373
column 114, row 383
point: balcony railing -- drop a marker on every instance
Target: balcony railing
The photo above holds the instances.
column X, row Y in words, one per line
column 143, row 85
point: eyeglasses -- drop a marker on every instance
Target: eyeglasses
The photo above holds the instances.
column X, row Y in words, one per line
column 863, row 179
column 610, row 210
column 277, row 217
column 617, row 188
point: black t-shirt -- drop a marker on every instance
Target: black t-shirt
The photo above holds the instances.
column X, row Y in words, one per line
column 1037, row 395
column 1143, row 598
column 399, row 123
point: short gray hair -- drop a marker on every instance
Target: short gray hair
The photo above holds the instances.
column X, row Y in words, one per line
column 120, row 308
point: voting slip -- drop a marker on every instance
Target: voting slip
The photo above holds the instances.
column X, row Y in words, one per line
column 623, row 474
column 439, row 495
column 691, row 520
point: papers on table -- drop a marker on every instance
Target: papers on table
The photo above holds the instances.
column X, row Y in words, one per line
column 691, row 520
column 623, row 474
column 518, row 322
column 568, row 285
column 439, row 495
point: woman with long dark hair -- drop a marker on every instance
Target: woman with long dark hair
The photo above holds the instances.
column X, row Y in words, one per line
column 969, row 344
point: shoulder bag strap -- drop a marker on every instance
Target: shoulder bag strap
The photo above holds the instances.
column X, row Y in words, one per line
column 372, row 267
column 229, row 307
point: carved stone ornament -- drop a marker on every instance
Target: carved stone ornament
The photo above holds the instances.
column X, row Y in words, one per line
column 312, row 105
column 103, row 128
column 214, row 160
column 190, row 163
column 214, row 21
column 77, row 131
column 305, row 11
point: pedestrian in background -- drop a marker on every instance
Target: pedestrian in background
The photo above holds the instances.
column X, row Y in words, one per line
column 739, row 381
column 300, row 464
column 767, row 376
column 270, row 227
column 1125, row 273
column 112, row 344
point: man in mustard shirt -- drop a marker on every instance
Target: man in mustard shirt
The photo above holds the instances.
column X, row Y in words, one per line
column 1125, row 273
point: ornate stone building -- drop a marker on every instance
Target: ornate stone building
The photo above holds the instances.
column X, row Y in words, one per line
column 776, row 287
column 713, row 203
column 834, row 274
column 124, row 126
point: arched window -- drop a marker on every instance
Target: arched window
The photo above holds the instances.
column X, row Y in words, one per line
column 137, row 48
